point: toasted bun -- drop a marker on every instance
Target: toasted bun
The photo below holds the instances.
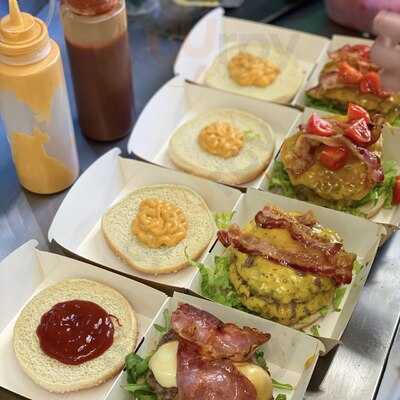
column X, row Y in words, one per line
column 116, row 225
column 282, row 90
column 253, row 159
column 55, row 376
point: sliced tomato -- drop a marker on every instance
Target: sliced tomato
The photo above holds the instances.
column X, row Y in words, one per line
column 362, row 49
column 358, row 132
column 348, row 74
column 333, row 158
column 356, row 112
column 318, row 126
column 396, row 191
column 371, row 83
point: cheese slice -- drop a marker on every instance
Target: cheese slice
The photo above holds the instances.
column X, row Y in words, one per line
column 259, row 377
column 163, row 364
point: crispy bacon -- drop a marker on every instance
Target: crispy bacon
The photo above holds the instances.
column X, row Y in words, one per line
column 308, row 218
column 372, row 161
column 273, row 217
column 337, row 267
column 201, row 378
column 215, row 339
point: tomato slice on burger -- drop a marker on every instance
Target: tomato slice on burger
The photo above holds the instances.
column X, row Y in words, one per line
column 363, row 50
column 318, row 126
column 333, row 158
column 371, row 83
column 358, row 132
column 348, row 74
column 396, row 191
column 355, row 112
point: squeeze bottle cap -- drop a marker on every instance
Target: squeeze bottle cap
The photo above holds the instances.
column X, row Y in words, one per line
column 21, row 33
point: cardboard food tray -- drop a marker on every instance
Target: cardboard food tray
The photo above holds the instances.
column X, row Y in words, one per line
column 215, row 32
column 290, row 355
column 26, row 272
column 178, row 101
column 77, row 224
column 337, row 42
column 391, row 151
column 359, row 236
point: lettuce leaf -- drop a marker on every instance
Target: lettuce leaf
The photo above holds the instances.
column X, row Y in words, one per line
column 324, row 105
column 279, row 182
column 223, row 220
column 215, row 283
column 384, row 189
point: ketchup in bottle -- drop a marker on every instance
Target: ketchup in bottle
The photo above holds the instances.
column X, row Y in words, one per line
column 98, row 47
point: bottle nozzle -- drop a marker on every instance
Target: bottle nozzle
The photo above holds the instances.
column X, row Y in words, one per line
column 16, row 19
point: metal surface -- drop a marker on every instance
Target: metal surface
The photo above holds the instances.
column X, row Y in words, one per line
column 354, row 370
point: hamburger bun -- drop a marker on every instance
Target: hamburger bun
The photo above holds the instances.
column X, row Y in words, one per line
column 282, row 89
column 254, row 157
column 116, row 226
column 58, row 377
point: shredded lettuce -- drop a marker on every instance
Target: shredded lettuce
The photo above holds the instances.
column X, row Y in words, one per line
column 281, row 396
column 136, row 368
column 384, row 189
column 215, row 283
column 315, row 330
column 279, row 385
column 167, row 323
column 279, row 182
column 260, row 360
column 325, row 105
column 357, row 267
column 223, row 220
column 337, row 300
column 324, row 311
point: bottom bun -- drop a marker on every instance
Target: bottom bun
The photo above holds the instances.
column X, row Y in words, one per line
column 50, row 373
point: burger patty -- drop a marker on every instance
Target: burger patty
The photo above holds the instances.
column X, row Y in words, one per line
column 287, row 313
column 350, row 183
column 161, row 392
column 278, row 292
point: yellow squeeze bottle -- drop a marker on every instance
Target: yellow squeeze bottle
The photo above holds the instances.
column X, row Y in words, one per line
column 34, row 104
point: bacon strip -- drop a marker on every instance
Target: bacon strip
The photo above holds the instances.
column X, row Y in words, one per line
column 201, row 378
column 338, row 267
column 273, row 217
column 214, row 338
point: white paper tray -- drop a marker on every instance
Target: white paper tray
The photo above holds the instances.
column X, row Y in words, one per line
column 179, row 101
column 27, row 271
column 391, row 151
column 215, row 32
column 286, row 353
column 337, row 42
column 77, row 224
column 360, row 236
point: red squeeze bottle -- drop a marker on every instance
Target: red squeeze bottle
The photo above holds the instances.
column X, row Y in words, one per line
column 97, row 40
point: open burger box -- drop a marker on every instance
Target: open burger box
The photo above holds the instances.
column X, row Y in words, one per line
column 215, row 32
column 336, row 43
column 27, row 271
column 362, row 239
column 77, row 224
column 179, row 101
column 390, row 218
column 291, row 356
